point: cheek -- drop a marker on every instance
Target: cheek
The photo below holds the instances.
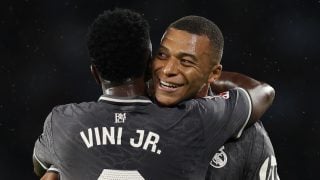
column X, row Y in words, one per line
column 156, row 64
column 196, row 82
column 193, row 76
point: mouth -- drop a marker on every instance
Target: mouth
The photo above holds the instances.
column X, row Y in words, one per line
column 168, row 86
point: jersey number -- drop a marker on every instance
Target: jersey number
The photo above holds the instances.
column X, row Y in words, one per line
column 111, row 174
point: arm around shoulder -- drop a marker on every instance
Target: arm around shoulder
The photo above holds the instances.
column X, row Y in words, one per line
column 261, row 94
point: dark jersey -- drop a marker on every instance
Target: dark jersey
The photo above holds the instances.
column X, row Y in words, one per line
column 122, row 138
column 251, row 157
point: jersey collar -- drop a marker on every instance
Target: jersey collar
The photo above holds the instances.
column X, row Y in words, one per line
column 125, row 100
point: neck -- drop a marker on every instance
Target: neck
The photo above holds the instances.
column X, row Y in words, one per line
column 129, row 88
column 203, row 91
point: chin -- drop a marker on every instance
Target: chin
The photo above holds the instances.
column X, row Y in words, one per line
column 164, row 101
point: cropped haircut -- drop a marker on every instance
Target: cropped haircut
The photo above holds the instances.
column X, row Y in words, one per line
column 202, row 26
column 118, row 43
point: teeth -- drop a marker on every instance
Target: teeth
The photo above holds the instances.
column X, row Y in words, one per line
column 162, row 83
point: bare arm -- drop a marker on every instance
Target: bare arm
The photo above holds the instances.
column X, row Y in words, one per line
column 262, row 94
column 51, row 175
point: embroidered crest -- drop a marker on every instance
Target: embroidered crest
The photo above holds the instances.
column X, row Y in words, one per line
column 220, row 159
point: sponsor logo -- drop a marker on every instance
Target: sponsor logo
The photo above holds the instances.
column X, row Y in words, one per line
column 220, row 159
column 119, row 117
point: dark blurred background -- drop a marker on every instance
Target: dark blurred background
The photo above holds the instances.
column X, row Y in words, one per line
column 44, row 62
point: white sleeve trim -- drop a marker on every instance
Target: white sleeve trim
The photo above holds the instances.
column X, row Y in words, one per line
column 42, row 165
column 53, row 169
column 249, row 114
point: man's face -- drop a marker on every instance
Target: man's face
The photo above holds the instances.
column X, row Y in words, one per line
column 182, row 67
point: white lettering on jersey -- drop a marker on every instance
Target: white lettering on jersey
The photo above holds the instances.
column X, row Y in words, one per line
column 119, row 117
column 152, row 139
column 110, row 135
column 96, row 132
column 107, row 135
column 139, row 143
column 268, row 170
column 220, row 159
column 113, row 136
column 119, row 136
column 89, row 143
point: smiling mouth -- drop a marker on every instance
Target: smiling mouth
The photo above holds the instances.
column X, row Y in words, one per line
column 167, row 85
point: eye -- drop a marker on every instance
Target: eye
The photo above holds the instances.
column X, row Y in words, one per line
column 162, row 55
column 186, row 62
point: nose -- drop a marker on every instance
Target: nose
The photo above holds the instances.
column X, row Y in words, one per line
column 171, row 67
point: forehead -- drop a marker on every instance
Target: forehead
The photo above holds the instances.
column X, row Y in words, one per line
column 182, row 41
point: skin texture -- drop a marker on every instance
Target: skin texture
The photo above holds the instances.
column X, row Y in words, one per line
column 183, row 67
column 51, row 175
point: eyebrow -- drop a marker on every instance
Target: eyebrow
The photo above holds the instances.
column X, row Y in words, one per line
column 162, row 47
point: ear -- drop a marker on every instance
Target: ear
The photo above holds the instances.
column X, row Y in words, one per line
column 95, row 74
column 215, row 73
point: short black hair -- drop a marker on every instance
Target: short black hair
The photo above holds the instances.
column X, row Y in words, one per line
column 201, row 26
column 119, row 44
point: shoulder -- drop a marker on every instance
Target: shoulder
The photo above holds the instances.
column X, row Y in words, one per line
column 261, row 149
column 235, row 92
column 62, row 114
column 234, row 105
column 257, row 137
column 262, row 159
column 234, row 97
column 262, row 138
column 70, row 109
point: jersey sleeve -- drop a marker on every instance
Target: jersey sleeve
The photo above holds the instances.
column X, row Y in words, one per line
column 225, row 116
column 53, row 168
column 43, row 150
